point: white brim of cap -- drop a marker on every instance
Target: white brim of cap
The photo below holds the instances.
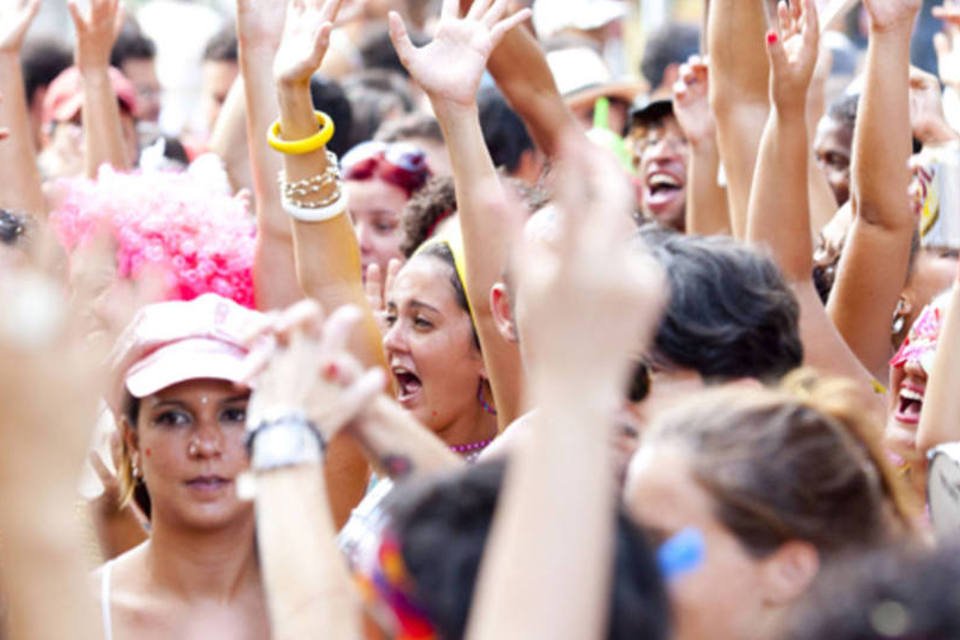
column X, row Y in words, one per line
column 192, row 359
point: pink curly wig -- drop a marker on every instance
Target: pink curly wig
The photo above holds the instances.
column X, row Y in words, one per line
column 202, row 239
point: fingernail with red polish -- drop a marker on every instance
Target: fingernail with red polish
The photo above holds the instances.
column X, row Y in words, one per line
column 331, row 371
column 771, row 36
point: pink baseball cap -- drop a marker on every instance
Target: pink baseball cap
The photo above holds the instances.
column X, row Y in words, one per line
column 172, row 342
column 64, row 97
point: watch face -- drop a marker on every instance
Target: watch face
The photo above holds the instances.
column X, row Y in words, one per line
column 943, row 491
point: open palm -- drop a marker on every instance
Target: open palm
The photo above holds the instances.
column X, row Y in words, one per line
column 450, row 67
column 306, row 36
column 15, row 19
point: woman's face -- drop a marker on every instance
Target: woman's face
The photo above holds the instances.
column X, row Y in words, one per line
column 189, row 442
column 908, row 384
column 722, row 597
column 376, row 207
column 429, row 344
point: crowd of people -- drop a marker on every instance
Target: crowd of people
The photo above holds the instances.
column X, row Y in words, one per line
column 438, row 321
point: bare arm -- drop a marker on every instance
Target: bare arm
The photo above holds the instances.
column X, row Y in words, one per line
column 779, row 205
column 590, row 272
column 707, row 208
column 228, row 140
column 97, row 30
column 20, row 189
column 873, row 267
column 259, row 26
column 738, row 94
column 452, row 91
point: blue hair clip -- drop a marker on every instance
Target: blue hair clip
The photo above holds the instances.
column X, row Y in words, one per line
column 682, row 553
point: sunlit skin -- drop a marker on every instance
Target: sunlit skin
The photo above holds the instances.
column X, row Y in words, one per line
column 722, row 598
column 190, row 446
column 376, row 207
column 432, row 355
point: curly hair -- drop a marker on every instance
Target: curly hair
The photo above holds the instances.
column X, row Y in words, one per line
column 433, row 203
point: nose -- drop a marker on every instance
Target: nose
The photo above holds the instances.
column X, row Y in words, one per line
column 395, row 339
column 363, row 236
column 207, row 440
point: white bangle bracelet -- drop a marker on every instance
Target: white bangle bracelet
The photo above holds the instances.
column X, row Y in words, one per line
column 304, row 214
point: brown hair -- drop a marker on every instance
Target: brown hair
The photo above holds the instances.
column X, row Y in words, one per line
column 802, row 463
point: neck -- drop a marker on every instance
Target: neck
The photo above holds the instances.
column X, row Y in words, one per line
column 193, row 563
column 475, row 425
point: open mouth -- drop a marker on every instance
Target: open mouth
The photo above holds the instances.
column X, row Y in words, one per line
column 408, row 384
column 662, row 188
column 910, row 405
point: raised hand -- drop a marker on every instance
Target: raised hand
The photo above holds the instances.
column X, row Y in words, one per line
column 592, row 270
column 260, row 23
column 15, row 18
column 449, row 68
column 690, row 101
column 947, row 45
column 927, row 118
column 97, row 30
column 792, row 49
column 306, row 37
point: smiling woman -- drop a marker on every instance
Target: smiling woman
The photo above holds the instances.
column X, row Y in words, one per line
column 182, row 411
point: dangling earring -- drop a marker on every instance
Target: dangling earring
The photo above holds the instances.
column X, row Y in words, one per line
column 483, row 403
column 899, row 320
column 135, row 469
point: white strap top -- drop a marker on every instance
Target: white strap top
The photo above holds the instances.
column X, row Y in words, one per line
column 105, row 601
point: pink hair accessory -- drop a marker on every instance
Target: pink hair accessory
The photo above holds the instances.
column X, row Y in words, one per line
column 200, row 238
column 921, row 342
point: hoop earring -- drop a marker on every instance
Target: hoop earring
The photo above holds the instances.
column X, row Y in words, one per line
column 483, row 403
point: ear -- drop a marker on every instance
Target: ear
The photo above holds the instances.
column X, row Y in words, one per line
column 502, row 309
column 789, row 572
column 129, row 435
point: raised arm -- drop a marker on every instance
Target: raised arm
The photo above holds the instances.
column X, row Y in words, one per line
column 591, row 272
column 779, row 205
column 519, row 66
column 20, row 187
column 708, row 212
column 327, row 254
column 452, row 90
column 97, row 28
column 875, row 260
column 259, row 27
column 738, row 94
column 299, row 403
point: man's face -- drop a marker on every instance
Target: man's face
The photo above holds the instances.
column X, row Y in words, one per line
column 831, row 145
column 660, row 150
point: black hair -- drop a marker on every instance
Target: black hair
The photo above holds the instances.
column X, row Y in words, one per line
column 891, row 593
column 844, row 110
column 375, row 95
column 730, row 315
column 140, row 493
column 670, row 44
column 131, row 44
column 455, row 512
column 42, row 60
column 328, row 96
column 504, row 133
column 12, row 227
column 377, row 51
column 222, row 47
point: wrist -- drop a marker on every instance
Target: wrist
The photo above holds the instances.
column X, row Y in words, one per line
column 446, row 109
column 285, row 438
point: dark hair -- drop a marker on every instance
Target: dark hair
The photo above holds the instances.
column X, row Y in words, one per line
column 504, row 133
column 803, row 464
column 730, row 313
column 411, row 125
column 441, row 251
column 131, row 44
column 42, row 60
column 222, row 47
column 671, row 44
column 443, row 523
column 132, row 488
column 429, row 206
column 377, row 52
column 375, row 95
column 890, row 593
column 844, row 110
column 328, row 96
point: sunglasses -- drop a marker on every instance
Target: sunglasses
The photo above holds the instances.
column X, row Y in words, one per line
column 399, row 155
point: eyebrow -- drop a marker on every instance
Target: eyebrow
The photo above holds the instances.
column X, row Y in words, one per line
column 417, row 304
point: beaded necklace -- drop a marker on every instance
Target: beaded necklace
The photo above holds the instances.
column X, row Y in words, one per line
column 472, row 450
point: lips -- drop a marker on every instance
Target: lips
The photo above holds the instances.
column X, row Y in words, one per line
column 910, row 404
column 409, row 385
column 208, row 484
column 662, row 190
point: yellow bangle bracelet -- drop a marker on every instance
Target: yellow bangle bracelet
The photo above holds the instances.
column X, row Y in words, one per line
column 307, row 145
